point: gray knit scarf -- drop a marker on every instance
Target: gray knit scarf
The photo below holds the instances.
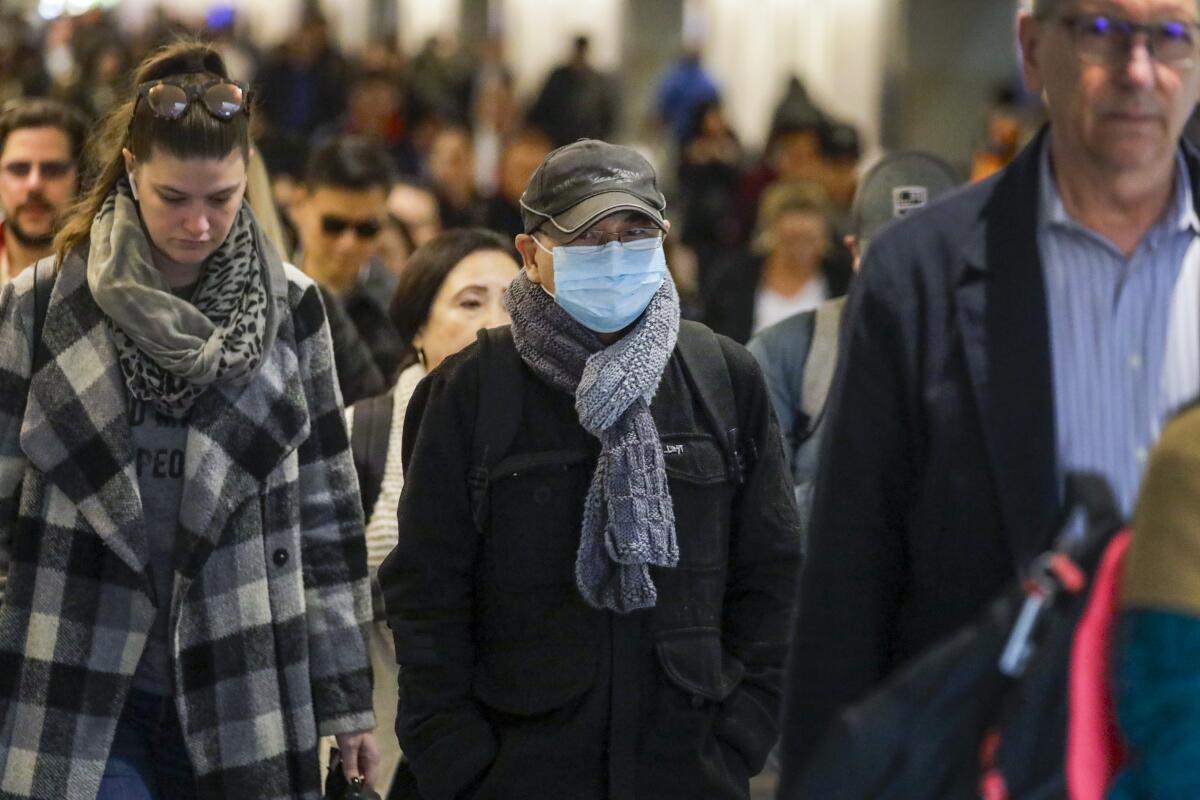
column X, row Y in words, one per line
column 628, row 518
column 171, row 350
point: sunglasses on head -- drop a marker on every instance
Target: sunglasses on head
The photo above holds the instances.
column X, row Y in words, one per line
column 168, row 98
column 363, row 229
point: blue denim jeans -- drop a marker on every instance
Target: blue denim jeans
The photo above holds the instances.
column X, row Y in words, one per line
column 148, row 760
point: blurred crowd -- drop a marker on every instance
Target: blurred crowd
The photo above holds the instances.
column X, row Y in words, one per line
column 759, row 231
column 263, row 410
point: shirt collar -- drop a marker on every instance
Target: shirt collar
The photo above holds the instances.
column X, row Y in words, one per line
column 1179, row 217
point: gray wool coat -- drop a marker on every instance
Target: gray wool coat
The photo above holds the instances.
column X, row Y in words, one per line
column 270, row 588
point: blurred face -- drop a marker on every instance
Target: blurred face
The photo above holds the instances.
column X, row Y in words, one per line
column 1120, row 115
column 451, row 163
column 494, row 103
column 713, row 123
column 799, row 237
column 469, row 300
column 393, row 249
column 372, row 103
column 188, row 205
column 310, row 41
column 339, row 232
column 417, row 209
column 37, row 182
column 840, row 179
column 1004, row 128
column 797, row 156
column 108, row 65
column 520, row 161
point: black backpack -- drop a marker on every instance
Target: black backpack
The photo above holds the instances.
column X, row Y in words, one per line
column 498, row 418
column 984, row 713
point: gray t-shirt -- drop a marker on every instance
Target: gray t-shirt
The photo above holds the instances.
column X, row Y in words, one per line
column 159, row 445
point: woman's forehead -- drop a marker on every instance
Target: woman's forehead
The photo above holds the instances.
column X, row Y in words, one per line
column 196, row 174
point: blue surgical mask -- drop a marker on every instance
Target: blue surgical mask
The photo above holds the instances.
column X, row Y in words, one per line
column 606, row 288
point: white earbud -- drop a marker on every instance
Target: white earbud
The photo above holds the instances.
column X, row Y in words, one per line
column 133, row 186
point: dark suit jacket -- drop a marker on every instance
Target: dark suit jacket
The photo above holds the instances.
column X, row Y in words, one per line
column 938, row 475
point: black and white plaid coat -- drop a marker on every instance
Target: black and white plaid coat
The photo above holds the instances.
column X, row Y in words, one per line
column 270, row 589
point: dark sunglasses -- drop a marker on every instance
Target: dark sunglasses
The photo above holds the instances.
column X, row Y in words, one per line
column 168, row 98
column 336, row 226
column 50, row 170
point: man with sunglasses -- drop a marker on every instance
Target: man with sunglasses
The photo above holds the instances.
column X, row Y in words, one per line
column 1041, row 322
column 339, row 215
column 40, row 144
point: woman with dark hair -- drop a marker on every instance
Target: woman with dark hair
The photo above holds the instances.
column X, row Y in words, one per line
column 182, row 568
column 452, row 288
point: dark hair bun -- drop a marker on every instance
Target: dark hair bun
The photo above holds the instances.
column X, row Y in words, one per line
column 197, row 59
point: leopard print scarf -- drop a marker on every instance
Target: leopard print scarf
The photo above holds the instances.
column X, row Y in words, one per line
column 171, row 350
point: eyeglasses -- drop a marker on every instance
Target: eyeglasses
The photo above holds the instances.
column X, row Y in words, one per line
column 632, row 238
column 363, row 229
column 168, row 98
column 1102, row 39
column 49, row 170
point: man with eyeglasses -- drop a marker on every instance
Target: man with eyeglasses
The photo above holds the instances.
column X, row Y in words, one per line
column 339, row 215
column 1042, row 322
column 598, row 538
column 40, row 144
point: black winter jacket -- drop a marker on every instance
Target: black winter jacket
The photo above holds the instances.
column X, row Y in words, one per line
column 511, row 686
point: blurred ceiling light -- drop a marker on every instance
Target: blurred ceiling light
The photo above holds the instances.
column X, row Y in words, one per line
column 50, row 9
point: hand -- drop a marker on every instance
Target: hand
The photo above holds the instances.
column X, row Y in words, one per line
column 360, row 756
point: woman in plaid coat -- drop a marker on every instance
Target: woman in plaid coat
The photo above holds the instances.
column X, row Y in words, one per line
column 183, row 573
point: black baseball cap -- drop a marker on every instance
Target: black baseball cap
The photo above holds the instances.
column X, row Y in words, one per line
column 581, row 182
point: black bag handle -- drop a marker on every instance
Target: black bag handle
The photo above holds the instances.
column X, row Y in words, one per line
column 1092, row 494
column 44, row 276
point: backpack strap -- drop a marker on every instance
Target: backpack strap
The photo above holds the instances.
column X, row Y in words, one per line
column 497, row 415
column 44, row 276
column 705, row 364
column 821, row 363
column 369, row 445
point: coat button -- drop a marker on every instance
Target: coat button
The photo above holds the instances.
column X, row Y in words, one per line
column 698, row 701
column 543, row 495
column 281, row 557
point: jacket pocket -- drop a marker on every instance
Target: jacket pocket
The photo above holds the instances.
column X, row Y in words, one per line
column 536, row 510
column 694, row 660
column 702, row 496
column 535, row 679
column 535, row 637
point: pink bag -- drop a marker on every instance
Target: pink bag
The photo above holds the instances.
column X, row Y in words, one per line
column 1095, row 751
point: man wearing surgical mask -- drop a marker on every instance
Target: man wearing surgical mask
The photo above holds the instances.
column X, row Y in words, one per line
column 597, row 599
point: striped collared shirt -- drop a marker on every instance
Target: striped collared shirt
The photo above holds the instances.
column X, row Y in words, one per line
column 1124, row 333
